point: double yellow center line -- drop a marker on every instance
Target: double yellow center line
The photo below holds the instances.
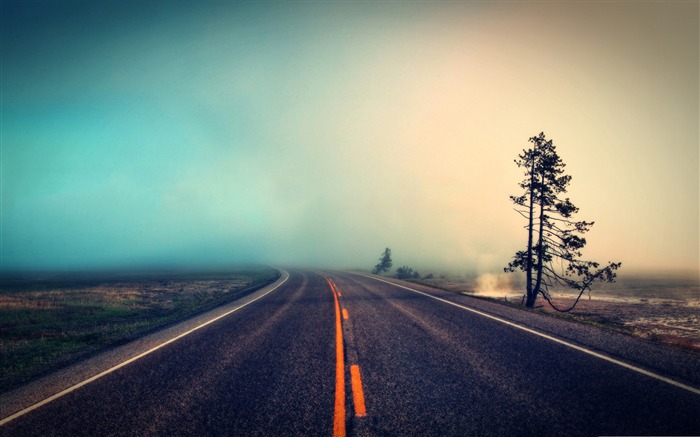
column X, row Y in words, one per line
column 356, row 381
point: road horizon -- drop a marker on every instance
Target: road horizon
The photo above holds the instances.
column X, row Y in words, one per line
column 337, row 352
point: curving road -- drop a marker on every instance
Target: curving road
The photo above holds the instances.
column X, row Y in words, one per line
column 340, row 353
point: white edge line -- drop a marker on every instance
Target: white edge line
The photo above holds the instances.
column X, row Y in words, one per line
column 549, row 337
column 131, row 360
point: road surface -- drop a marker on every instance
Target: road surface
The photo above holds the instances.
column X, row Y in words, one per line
column 334, row 353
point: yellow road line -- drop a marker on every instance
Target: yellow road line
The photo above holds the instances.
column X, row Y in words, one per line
column 339, row 410
column 357, row 393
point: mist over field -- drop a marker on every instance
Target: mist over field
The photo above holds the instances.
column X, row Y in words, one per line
column 317, row 134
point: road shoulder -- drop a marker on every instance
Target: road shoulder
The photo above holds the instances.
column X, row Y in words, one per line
column 42, row 388
column 665, row 360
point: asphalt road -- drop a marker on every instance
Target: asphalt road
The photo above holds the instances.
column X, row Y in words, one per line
column 408, row 365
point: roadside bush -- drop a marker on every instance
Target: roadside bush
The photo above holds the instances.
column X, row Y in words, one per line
column 406, row 272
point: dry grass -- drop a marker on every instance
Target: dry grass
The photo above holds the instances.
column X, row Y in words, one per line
column 48, row 322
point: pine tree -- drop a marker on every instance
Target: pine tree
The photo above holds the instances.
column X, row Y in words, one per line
column 554, row 238
column 384, row 264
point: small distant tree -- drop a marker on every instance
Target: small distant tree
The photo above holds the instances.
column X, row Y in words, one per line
column 554, row 241
column 384, row 264
column 406, row 272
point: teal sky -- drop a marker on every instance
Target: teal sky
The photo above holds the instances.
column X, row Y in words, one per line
column 318, row 133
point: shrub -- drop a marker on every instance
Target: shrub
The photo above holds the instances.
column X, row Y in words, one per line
column 406, row 272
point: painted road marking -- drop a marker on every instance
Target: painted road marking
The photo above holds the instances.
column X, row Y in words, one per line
column 345, row 314
column 549, row 337
column 131, row 360
column 357, row 393
column 339, row 410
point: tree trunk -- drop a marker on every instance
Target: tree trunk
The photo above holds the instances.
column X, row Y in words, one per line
column 530, row 299
column 540, row 240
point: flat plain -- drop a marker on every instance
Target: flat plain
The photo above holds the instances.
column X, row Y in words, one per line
column 663, row 308
column 431, row 363
column 50, row 320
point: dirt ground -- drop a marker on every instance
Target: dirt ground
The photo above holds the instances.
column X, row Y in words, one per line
column 667, row 322
column 671, row 321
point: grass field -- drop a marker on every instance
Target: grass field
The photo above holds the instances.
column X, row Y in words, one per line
column 50, row 320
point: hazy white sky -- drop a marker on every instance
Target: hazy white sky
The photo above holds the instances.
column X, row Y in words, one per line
column 319, row 133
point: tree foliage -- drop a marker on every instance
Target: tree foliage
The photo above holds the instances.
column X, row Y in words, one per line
column 555, row 240
column 384, row 264
column 406, row 272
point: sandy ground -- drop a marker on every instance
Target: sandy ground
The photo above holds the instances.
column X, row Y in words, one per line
column 666, row 320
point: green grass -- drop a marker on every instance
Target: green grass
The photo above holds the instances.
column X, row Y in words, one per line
column 51, row 321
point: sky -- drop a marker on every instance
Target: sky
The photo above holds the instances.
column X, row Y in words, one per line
column 318, row 133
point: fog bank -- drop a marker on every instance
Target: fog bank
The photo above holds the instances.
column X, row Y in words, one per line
column 211, row 133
